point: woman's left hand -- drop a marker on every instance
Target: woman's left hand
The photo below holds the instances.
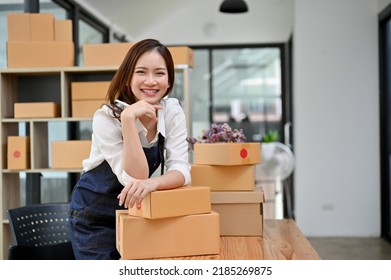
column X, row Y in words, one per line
column 135, row 191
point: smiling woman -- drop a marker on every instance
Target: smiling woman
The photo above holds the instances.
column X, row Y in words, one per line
column 128, row 144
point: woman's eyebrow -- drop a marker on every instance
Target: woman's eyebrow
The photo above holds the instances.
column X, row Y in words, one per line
column 158, row 68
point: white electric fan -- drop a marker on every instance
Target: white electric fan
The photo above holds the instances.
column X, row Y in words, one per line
column 277, row 164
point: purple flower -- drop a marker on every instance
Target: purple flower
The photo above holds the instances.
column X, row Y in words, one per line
column 219, row 133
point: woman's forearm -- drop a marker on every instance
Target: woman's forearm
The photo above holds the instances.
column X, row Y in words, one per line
column 134, row 161
column 170, row 180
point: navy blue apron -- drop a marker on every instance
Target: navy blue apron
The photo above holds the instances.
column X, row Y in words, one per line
column 93, row 205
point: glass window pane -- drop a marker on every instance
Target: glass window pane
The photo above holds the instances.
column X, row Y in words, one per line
column 50, row 7
column 199, row 96
column 247, row 89
column 87, row 35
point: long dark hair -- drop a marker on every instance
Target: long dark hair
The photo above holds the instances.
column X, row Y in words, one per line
column 120, row 85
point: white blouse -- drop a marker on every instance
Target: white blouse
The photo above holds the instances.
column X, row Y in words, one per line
column 107, row 143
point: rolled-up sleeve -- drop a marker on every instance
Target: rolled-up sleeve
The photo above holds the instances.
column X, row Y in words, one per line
column 108, row 143
column 175, row 141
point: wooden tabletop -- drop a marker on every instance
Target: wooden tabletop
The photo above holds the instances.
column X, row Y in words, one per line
column 281, row 240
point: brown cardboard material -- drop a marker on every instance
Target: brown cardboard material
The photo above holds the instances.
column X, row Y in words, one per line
column 36, row 110
column 242, row 208
column 256, row 196
column 63, row 30
column 182, row 55
column 106, row 54
column 227, row 153
column 40, row 54
column 42, row 27
column 241, row 213
column 18, row 27
column 190, row 235
column 86, row 108
column 118, row 213
column 224, row 178
column 89, row 90
column 18, row 148
column 181, row 201
column 70, row 154
column 112, row 54
column 233, row 224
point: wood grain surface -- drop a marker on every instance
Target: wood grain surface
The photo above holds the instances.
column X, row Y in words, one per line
column 281, row 240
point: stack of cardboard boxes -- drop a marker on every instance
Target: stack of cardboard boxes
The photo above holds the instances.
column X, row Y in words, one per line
column 87, row 97
column 228, row 169
column 170, row 223
column 39, row 40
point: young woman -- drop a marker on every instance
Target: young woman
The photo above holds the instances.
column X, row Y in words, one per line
column 128, row 138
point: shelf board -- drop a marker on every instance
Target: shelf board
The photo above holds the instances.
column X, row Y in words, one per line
column 13, row 120
column 42, row 170
column 72, row 69
column 54, row 70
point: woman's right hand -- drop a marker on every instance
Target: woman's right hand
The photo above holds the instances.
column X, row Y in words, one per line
column 139, row 109
column 135, row 191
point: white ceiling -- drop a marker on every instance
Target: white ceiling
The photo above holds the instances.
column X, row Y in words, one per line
column 133, row 17
column 272, row 19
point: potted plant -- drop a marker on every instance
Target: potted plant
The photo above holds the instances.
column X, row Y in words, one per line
column 270, row 136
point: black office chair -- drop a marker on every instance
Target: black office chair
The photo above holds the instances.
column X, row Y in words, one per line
column 40, row 232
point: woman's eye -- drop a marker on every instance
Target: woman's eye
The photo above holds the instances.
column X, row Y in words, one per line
column 160, row 73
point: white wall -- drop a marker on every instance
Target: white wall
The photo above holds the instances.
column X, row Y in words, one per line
column 336, row 106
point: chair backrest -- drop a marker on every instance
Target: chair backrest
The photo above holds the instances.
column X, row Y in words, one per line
column 40, row 224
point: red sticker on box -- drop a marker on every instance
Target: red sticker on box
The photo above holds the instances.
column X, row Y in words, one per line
column 243, row 153
column 17, row 154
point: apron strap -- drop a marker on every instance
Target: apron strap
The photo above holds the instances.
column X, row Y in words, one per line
column 161, row 151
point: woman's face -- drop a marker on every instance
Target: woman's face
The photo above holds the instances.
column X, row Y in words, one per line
column 150, row 78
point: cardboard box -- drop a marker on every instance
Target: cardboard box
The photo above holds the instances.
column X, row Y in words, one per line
column 18, row 27
column 18, row 148
column 241, row 213
column 182, row 55
column 63, row 30
column 106, row 54
column 40, row 54
column 118, row 236
column 256, row 196
column 36, row 110
column 223, row 178
column 89, row 90
column 174, row 202
column 42, row 27
column 227, row 153
column 139, row 238
column 86, row 108
column 70, row 154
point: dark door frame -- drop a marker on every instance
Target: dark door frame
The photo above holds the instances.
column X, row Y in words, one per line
column 385, row 120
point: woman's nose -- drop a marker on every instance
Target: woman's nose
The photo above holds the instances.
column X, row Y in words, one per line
column 150, row 79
